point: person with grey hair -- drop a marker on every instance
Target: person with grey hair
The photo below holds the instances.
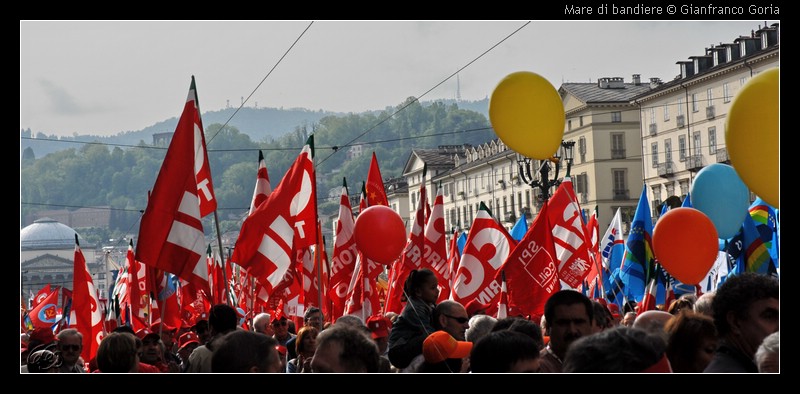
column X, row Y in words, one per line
column 768, row 356
column 350, row 321
column 261, row 324
column 479, row 326
column 70, row 344
column 345, row 349
column 703, row 304
column 653, row 322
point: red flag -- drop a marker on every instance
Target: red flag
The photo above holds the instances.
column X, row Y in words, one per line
column 263, row 187
column 86, row 316
column 412, row 254
column 452, row 259
column 571, row 247
column 362, row 299
column 142, row 285
column 435, row 244
column 502, row 307
column 43, row 315
column 41, row 295
column 285, row 222
column 649, row 301
column 171, row 234
column 344, row 256
column 530, row 268
column 376, row 194
column 488, row 245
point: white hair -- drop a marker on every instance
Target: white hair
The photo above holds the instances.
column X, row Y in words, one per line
column 770, row 345
column 261, row 321
column 479, row 326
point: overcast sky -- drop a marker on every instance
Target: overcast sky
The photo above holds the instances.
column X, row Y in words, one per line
column 105, row 77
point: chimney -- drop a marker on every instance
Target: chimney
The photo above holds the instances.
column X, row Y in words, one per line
column 603, row 83
column 637, row 79
column 655, row 82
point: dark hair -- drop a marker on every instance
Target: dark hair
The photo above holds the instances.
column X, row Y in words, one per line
column 602, row 317
column 737, row 294
column 504, row 323
column 416, row 279
column 680, row 305
column 240, row 350
column 201, row 327
column 117, row 353
column 622, row 350
column 124, row 328
column 311, row 311
column 686, row 333
column 359, row 352
column 529, row 329
column 222, row 318
column 500, row 350
column 566, row 297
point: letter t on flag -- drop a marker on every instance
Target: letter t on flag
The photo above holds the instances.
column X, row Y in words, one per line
column 171, row 233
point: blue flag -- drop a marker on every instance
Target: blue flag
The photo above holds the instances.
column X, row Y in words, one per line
column 638, row 265
column 520, row 228
column 687, row 202
column 461, row 242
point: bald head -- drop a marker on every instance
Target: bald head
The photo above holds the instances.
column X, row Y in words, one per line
column 652, row 321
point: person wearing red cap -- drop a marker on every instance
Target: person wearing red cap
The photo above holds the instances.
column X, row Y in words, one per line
column 379, row 327
column 187, row 343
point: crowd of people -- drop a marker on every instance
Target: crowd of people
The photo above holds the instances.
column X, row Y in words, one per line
column 733, row 330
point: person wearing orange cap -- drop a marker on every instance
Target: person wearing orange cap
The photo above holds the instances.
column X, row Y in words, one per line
column 443, row 353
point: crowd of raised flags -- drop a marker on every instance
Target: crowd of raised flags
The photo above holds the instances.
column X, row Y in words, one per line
column 279, row 264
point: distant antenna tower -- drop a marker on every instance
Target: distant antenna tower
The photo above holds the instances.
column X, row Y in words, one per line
column 227, row 103
column 458, row 88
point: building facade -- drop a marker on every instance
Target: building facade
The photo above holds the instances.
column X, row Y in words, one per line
column 683, row 121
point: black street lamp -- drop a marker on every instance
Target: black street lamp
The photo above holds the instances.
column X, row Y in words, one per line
column 527, row 170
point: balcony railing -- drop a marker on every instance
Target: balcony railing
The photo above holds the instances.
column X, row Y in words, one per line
column 722, row 156
column 617, row 153
column 653, row 129
column 622, row 194
column 694, row 162
column 666, row 169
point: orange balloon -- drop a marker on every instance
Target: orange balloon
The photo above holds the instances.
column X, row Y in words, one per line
column 380, row 234
column 685, row 243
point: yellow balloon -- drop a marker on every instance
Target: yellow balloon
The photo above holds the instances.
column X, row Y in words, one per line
column 752, row 135
column 527, row 114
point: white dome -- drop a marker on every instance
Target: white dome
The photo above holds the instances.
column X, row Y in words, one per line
column 47, row 233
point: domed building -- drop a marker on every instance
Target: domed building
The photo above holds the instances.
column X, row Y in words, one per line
column 47, row 253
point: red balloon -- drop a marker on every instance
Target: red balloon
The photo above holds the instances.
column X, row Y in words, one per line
column 685, row 243
column 380, row 234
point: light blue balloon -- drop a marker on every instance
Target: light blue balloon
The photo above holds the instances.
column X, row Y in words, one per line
column 719, row 193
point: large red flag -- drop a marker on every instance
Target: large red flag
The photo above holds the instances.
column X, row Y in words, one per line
column 86, row 316
column 412, row 254
column 344, row 256
column 263, row 188
column 435, row 243
column 282, row 224
column 171, row 234
column 376, row 194
column 530, row 269
column 453, row 258
column 488, row 245
column 571, row 247
column 43, row 315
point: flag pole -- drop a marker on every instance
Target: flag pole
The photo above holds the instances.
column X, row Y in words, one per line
column 228, row 299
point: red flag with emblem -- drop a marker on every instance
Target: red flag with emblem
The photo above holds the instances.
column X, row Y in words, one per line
column 530, row 268
column 488, row 245
column 571, row 247
column 285, row 222
column 435, row 244
column 344, row 256
column 363, row 299
column 86, row 316
column 171, row 233
column 376, row 194
column 43, row 293
column 43, row 315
